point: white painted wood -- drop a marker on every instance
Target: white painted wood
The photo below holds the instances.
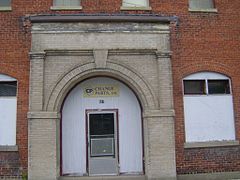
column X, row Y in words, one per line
column 8, row 108
column 74, row 132
column 6, row 78
column 208, row 117
column 135, row 3
column 206, row 75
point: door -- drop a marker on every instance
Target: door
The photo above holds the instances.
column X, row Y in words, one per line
column 102, row 143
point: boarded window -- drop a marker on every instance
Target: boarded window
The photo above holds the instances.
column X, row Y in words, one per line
column 66, row 3
column 208, row 117
column 5, row 3
column 201, row 4
column 135, row 3
column 8, row 88
column 194, row 87
column 8, row 110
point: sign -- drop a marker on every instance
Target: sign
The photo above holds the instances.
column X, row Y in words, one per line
column 101, row 91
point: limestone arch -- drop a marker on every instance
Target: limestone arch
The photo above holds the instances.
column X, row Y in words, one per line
column 143, row 90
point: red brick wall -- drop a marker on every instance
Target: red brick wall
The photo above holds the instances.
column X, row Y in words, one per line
column 202, row 41
column 207, row 42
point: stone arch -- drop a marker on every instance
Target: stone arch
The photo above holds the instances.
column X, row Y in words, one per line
column 143, row 90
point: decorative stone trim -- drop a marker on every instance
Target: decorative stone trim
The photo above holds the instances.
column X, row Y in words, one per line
column 8, row 148
column 100, row 57
column 37, row 55
column 106, row 27
column 210, row 144
column 111, row 68
column 132, row 52
column 69, row 52
column 203, row 10
column 43, row 115
column 59, row 8
column 6, row 8
column 163, row 54
column 143, row 8
column 159, row 113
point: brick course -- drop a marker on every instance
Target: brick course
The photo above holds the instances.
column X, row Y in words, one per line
column 201, row 42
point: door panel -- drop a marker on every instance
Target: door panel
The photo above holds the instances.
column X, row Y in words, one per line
column 102, row 144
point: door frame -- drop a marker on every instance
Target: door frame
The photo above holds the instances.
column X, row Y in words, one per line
column 116, row 134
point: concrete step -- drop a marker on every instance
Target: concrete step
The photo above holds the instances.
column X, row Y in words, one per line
column 104, row 178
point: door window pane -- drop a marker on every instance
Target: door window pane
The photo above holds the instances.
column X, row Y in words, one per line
column 102, row 147
column 101, row 124
column 194, row 87
column 218, row 87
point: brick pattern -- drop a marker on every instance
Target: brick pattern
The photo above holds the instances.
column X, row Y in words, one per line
column 202, row 41
column 206, row 42
column 9, row 164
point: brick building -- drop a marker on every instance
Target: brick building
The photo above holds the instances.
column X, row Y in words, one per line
column 135, row 89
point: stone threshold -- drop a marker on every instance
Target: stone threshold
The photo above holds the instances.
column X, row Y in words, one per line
column 124, row 177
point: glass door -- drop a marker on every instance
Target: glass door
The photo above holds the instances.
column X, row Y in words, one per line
column 102, row 143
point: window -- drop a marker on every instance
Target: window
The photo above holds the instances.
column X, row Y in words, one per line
column 207, row 86
column 201, row 5
column 218, row 87
column 208, row 108
column 5, row 5
column 66, row 4
column 8, row 108
column 194, row 87
column 135, row 4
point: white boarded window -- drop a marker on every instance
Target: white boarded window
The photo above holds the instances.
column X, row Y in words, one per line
column 5, row 3
column 67, row 3
column 208, row 107
column 201, row 4
column 135, row 3
column 8, row 110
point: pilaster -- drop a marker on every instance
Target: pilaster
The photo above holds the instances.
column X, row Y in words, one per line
column 161, row 162
column 36, row 80
column 165, row 79
column 42, row 149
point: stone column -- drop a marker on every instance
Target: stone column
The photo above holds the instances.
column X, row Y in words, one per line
column 165, row 80
column 36, row 80
column 42, row 153
column 42, row 150
column 161, row 132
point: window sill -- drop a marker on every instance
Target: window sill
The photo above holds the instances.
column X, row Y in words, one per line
column 62, row 8
column 135, row 8
column 8, row 148
column 210, row 144
column 5, row 8
column 203, row 10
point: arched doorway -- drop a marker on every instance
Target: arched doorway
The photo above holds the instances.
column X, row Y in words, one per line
column 101, row 130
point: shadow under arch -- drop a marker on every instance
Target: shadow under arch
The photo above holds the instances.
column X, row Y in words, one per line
column 134, row 81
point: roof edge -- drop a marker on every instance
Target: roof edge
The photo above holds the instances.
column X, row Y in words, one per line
column 146, row 18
